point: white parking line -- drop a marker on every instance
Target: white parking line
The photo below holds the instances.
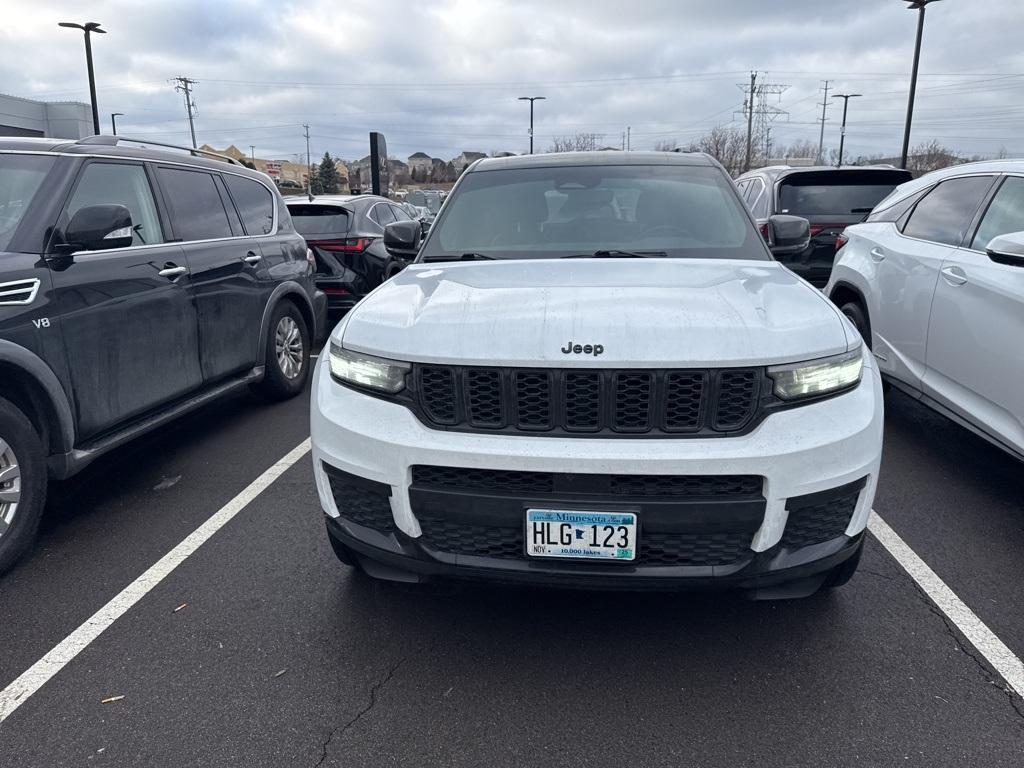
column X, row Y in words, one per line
column 32, row 679
column 974, row 629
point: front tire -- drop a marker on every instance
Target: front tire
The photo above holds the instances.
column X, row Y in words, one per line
column 22, row 484
column 286, row 355
column 856, row 315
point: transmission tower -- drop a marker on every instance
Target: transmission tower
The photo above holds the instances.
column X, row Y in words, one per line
column 760, row 110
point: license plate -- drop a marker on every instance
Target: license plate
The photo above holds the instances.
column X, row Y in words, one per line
column 581, row 535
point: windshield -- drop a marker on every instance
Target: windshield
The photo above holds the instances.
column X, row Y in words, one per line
column 837, row 194
column 20, row 179
column 554, row 212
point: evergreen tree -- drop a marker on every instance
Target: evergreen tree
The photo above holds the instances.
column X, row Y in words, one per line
column 326, row 180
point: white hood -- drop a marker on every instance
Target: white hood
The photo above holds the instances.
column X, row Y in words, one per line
column 643, row 313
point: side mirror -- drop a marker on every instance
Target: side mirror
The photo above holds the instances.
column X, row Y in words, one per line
column 402, row 238
column 99, row 227
column 1007, row 249
column 788, row 234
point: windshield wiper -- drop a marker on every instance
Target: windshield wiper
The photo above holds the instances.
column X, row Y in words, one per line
column 614, row 254
column 463, row 257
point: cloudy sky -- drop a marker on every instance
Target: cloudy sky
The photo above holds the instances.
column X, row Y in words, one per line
column 442, row 76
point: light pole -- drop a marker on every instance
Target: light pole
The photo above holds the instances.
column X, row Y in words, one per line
column 88, row 28
column 532, row 99
column 842, row 131
column 915, row 5
column 113, row 121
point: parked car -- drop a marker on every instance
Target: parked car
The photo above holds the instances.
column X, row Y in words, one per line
column 934, row 282
column 636, row 395
column 829, row 198
column 135, row 285
column 420, row 214
column 345, row 234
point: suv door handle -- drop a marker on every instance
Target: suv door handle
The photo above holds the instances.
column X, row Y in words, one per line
column 877, row 255
column 252, row 258
column 173, row 271
column 954, row 275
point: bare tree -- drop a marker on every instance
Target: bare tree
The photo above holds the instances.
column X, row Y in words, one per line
column 931, row 156
column 727, row 145
column 669, row 145
column 578, row 142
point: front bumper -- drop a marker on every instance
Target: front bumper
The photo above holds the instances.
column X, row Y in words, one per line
column 800, row 452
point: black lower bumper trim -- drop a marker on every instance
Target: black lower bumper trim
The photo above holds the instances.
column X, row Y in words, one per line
column 406, row 558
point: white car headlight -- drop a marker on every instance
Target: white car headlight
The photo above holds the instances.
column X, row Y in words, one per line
column 367, row 371
column 817, row 377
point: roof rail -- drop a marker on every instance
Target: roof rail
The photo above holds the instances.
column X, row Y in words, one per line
column 113, row 141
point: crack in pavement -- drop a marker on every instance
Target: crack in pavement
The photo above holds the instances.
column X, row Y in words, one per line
column 340, row 732
column 968, row 649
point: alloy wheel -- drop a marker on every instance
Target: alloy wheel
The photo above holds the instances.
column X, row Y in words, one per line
column 10, row 486
column 288, row 345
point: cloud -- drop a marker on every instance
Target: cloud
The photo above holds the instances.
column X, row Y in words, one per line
column 443, row 77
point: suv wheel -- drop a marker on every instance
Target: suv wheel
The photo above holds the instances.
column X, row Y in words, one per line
column 287, row 354
column 856, row 315
column 22, row 484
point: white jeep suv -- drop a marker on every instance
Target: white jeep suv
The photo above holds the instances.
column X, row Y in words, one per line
column 595, row 374
column 934, row 281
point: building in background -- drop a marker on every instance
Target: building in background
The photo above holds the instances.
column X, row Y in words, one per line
column 44, row 119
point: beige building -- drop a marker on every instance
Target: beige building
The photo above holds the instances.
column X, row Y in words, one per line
column 279, row 170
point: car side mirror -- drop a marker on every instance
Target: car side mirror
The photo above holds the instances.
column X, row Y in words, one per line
column 788, row 234
column 99, row 228
column 1007, row 249
column 402, row 238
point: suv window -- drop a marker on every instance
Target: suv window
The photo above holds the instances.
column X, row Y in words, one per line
column 837, row 193
column 559, row 211
column 757, row 200
column 1005, row 213
column 400, row 213
column 103, row 183
column 254, row 202
column 381, row 214
column 944, row 214
column 197, row 211
column 20, row 179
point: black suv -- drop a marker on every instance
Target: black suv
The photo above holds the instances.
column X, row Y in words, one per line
column 345, row 234
column 829, row 198
column 135, row 285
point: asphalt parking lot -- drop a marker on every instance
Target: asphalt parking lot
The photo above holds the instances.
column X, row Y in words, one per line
column 280, row 656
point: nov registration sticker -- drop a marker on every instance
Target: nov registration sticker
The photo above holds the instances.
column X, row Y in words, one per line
column 580, row 535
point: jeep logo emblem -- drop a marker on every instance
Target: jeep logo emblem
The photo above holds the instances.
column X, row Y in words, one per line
column 582, row 349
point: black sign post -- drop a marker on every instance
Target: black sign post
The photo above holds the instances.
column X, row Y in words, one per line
column 379, row 172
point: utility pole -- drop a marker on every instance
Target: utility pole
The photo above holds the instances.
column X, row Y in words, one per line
column 842, row 131
column 750, row 119
column 623, row 141
column 309, row 167
column 184, row 85
column 767, row 143
column 821, row 135
column 252, row 153
column 629, row 138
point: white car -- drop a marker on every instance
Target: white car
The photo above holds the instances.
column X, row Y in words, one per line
column 627, row 391
column 934, row 281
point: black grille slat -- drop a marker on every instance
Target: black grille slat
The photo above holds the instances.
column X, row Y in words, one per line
column 737, row 399
column 533, row 399
column 638, row 486
column 684, row 400
column 437, row 394
column 692, row 548
column 361, row 505
column 633, row 399
column 638, row 402
column 822, row 521
column 582, row 398
column 465, row 478
column 484, row 398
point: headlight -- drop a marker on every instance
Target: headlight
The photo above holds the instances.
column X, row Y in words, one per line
column 817, row 377
column 367, row 371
